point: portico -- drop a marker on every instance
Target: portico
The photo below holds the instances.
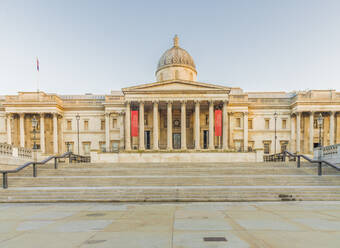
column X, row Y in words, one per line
column 176, row 115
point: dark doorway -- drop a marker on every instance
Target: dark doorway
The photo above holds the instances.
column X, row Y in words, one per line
column 147, row 139
column 176, row 140
column 315, row 145
column 205, row 139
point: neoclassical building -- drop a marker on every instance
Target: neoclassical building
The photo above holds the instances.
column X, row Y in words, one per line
column 174, row 113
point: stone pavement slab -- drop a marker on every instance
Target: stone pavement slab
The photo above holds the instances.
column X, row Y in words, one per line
column 173, row 225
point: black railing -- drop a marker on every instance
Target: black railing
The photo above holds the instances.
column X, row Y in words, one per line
column 297, row 157
column 67, row 155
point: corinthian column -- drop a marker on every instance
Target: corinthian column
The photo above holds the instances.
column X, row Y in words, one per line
column 22, row 130
column 225, row 126
column 292, row 134
column 107, row 132
column 298, row 132
column 197, row 125
column 42, row 133
column 141, row 126
column 9, row 129
column 55, row 133
column 311, row 132
column 331, row 128
column 183, row 126
column 169, row 126
column 211, row 125
column 155, row 125
column 127, row 127
column 245, row 131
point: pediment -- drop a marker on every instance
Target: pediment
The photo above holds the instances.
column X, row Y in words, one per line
column 176, row 86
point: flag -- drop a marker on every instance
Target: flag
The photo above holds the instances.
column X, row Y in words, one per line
column 218, row 122
column 37, row 64
column 134, row 123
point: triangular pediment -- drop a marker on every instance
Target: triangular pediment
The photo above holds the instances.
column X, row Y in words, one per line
column 176, row 86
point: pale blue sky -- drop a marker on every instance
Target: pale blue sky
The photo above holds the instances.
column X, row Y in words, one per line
column 97, row 46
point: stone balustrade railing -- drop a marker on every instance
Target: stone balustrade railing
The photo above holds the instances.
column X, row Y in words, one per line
column 6, row 149
column 12, row 151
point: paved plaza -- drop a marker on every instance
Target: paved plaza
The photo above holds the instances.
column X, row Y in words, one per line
column 182, row 225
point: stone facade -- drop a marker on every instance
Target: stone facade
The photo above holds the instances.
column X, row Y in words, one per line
column 176, row 113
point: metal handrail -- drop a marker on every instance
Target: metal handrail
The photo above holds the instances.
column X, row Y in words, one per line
column 71, row 156
column 320, row 162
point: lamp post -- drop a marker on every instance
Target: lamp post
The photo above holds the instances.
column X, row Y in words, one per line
column 78, row 118
column 34, row 125
column 320, row 122
column 275, row 117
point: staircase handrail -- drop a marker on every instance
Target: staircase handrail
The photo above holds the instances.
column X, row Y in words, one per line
column 320, row 162
column 34, row 163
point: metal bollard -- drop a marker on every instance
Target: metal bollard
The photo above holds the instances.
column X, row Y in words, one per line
column 4, row 180
column 55, row 163
column 34, row 170
column 299, row 161
column 320, row 169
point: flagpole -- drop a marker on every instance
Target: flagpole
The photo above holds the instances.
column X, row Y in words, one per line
column 37, row 74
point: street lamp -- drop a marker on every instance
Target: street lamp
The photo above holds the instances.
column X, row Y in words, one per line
column 320, row 122
column 78, row 118
column 34, row 125
column 275, row 117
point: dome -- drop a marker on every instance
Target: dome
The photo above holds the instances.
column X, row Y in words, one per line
column 176, row 56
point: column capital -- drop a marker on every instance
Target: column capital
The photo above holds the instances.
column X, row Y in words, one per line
column 183, row 101
column 169, row 101
column 245, row 113
column 332, row 112
column 197, row 102
column 107, row 114
column 155, row 101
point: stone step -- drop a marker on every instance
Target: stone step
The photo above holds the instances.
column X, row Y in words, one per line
column 169, row 194
column 180, row 180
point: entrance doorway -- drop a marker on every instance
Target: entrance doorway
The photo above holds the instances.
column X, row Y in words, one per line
column 205, row 139
column 147, row 139
column 176, row 140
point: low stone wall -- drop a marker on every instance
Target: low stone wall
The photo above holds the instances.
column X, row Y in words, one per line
column 171, row 157
column 329, row 153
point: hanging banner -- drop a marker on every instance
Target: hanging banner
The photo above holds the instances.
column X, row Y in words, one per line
column 218, row 122
column 134, row 123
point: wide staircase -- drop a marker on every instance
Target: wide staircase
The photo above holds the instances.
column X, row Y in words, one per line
column 158, row 182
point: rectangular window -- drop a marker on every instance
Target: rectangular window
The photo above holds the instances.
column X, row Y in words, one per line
column 102, row 146
column 86, row 148
column 266, row 123
column 251, row 146
column 266, row 146
column 206, row 119
column 114, row 123
column 69, row 125
column 250, row 124
column 115, row 145
column 69, row 146
column 284, row 145
column 238, row 122
column 86, row 125
column 102, row 125
column 284, row 124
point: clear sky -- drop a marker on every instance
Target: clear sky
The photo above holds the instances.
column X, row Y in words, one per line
column 98, row 46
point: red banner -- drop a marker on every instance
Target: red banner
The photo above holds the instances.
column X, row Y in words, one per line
column 218, row 122
column 134, row 123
